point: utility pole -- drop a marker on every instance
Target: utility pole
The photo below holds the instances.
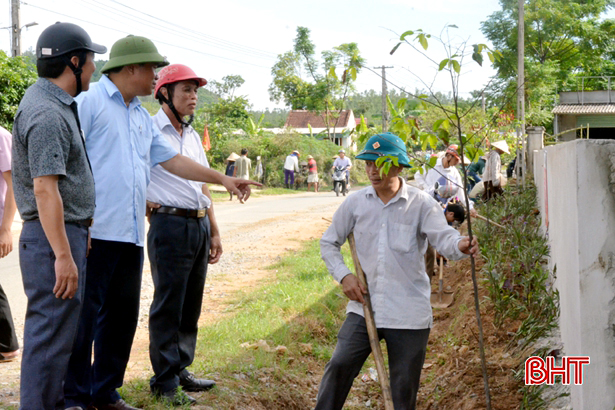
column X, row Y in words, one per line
column 385, row 111
column 521, row 93
column 15, row 29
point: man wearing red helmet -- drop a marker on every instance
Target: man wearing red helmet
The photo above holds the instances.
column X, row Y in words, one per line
column 183, row 238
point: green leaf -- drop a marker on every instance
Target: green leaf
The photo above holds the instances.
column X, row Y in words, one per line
column 423, row 41
column 353, row 73
column 438, row 123
column 395, row 48
column 456, row 66
column 406, row 34
column 424, row 142
column 432, row 162
column 443, row 64
column 452, row 26
column 491, row 57
column 433, row 141
column 478, row 57
column 401, row 104
column 331, row 73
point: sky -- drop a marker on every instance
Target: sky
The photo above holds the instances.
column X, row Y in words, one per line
column 244, row 37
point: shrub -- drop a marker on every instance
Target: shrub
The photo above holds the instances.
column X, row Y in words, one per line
column 15, row 77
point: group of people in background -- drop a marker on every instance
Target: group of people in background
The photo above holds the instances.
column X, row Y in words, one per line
column 89, row 165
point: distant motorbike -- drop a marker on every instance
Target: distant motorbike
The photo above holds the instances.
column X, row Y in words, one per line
column 339, row 180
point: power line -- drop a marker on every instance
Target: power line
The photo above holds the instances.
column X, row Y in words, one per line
column 192, row 32
column 158, row 41
column 130, row 18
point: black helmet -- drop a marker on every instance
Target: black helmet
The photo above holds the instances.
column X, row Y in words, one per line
column 62, row 38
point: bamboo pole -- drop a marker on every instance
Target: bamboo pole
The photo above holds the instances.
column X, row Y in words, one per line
column 372, row 332
column 489, row 221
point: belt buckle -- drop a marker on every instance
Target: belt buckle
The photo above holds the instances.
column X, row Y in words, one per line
column 200, row 213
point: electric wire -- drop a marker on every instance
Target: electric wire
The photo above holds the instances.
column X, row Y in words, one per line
column 133, row 19
column 155, row 39
column 193, row 32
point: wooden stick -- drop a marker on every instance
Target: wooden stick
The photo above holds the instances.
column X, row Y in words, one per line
column 489, row 221
column 371, row 329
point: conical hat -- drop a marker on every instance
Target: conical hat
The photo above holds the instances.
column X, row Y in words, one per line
column 501, row 145
column 232, row 157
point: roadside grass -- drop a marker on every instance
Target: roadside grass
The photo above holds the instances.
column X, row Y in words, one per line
column 221, row 196
column 302, row 310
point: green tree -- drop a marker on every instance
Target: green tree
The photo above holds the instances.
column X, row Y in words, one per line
column 564, row 39
column 325, row 92
column 15, row 77
column 226, row 88
column 228, row 113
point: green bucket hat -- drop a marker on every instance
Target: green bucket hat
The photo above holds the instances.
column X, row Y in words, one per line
column 133, row 50
column 384, row 144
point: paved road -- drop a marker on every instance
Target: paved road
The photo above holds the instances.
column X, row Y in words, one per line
column 230, row 215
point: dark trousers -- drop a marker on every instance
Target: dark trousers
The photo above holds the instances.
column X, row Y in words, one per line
column 8, row 338
column 288, row 174
column 491, row 191
column 178, row 250
column 51, row 323
column 406, row 349
column 109, row 320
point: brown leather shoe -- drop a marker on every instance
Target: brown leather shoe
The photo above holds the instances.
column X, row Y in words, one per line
column 118, row 405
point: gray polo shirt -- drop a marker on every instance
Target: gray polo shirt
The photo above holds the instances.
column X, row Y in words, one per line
column 47, row 141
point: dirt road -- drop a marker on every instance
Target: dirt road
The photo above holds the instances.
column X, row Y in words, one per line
column 254, row 235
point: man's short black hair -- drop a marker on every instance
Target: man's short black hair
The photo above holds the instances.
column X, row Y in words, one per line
column 54, row 67
column 244, row 151
column 459, row 213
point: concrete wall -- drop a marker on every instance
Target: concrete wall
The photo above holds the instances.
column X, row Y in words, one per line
column 587, row 97
column 578, row 200
column 566, row 122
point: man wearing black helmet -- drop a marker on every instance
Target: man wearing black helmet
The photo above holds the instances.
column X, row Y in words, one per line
column 54, row 191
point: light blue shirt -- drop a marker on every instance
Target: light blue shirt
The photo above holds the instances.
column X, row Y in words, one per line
column 391, row 241
column 123, row 144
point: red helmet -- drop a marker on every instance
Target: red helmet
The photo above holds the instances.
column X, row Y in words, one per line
column 174, row 73
column 452, row 149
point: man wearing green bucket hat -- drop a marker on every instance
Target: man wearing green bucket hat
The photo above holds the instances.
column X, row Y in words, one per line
column 123, row 144
column 391, row 222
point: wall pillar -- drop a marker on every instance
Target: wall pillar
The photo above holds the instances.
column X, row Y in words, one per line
column 535, row 142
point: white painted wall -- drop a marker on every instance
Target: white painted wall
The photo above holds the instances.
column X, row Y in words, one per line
column 578, row 200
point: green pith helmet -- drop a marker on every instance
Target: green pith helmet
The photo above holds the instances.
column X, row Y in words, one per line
column 384, row 144
column 133, row 50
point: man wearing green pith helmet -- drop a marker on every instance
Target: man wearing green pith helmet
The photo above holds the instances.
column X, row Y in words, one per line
column 392, row 223
column 123, row 144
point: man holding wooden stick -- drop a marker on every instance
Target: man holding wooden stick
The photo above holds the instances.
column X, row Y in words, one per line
column 391, row 222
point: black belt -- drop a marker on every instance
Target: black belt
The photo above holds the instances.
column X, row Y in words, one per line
column 188, row 213
column 86, row 222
